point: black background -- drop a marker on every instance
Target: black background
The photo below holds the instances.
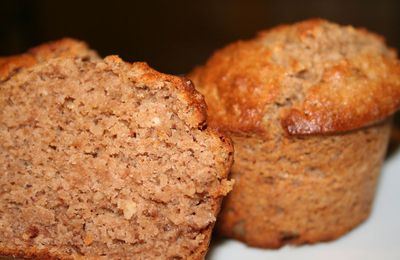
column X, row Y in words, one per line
column 174, row 36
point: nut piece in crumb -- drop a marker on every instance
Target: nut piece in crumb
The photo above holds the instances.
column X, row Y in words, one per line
column 88, row 239
column 30, row 233
column 128, row 207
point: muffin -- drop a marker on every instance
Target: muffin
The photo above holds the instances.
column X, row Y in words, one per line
column 308, row 107
column 102, row 159
column 66, row 47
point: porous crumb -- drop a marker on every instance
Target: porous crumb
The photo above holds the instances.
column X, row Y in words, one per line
column 100, row 158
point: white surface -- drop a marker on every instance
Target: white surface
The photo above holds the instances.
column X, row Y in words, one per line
column 377, row 238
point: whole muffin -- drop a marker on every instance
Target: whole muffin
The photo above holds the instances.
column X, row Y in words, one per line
column 103, row 159
column 309, row 108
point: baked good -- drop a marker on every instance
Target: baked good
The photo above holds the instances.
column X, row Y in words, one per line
column 102, row 159
column 308, row 107
column 66, row 47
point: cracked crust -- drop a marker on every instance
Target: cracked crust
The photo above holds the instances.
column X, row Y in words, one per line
column 302, row 105
column 315, row 76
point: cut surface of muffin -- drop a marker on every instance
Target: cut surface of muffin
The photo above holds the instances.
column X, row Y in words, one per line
column 105, row 159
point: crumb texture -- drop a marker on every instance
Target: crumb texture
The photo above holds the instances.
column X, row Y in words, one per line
column 310, row 77
column 104, row 159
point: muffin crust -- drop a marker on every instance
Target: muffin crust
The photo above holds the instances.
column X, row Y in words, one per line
column 309, row 108
column 315, row 76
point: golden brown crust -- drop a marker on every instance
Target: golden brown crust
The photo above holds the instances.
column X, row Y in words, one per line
column 236, row 95
column 9, row 65
column 66, row 47
column 318, row 76
column 355, row 104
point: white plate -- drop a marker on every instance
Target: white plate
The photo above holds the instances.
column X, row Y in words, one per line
column 377, row 238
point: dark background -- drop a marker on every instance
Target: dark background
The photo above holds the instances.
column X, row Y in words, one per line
column 174, row 36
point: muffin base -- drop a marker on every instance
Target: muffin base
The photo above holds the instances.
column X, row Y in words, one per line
column 296, row 190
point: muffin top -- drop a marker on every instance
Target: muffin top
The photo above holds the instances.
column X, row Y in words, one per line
column 66, row 47
column 311, row 77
